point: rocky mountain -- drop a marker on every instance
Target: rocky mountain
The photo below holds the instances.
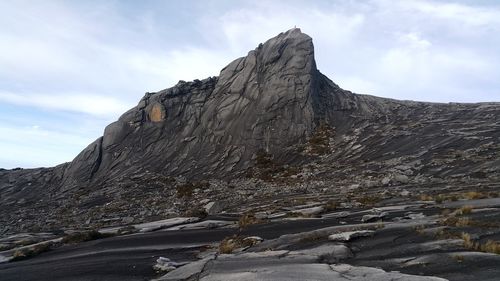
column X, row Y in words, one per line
column 269, row 171
column 271, row 117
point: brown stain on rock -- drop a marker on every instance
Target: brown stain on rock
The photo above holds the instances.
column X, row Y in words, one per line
column 157, row 113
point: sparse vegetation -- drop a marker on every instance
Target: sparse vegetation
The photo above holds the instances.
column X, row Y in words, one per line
column 467, row 222
column 266, row 169
column 440, row 198
column 331, row 205
column 471, row 195
column 247, row 220
column 229, row 244
column 490, row 246
column 28, row 252
column 26, row 242
column 465, row 210
column 319, row 143
column 312, row 237
column 185, row 190
column 198, row 212
column 4, row 247
column 369, row 200
column 420, row 229
column 426, row 197
column 458, row 258
column 295, row 215
column 83, row 236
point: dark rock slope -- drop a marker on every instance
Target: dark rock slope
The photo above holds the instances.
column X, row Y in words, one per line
column 268, row 110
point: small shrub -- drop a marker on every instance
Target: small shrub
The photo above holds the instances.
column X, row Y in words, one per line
column 465, row 210
column 83, row 236
column 491, row 247
column 468, row 243
column 29, row 252
column 440, row 198
column 369, row 200
column 425, row 197
column 26, row 242
column 493, row 194
column 331, row 205
column 313, row 237
column 229, row 244
column 458, row 258
column 319, row 143
column 247, row 220
column 197, row 212
column 471, row 195
column 185, row 190
column 457, row 222
column 263, row 159
column 420, row 229
column 295, row 215
column 462, row 222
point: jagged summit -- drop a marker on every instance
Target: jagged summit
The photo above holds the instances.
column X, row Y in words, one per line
column 263, row 101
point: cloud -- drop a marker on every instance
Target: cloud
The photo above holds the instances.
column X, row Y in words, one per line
column 52, row 147
column 468, row 15
column 100, row 106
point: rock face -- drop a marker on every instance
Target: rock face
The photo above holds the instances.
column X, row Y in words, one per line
column 269, row 109
column 264, row 101
column 270, row 100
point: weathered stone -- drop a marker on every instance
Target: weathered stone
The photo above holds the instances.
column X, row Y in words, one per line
column 157, row 112
column 327, row 253
column 373, row 217
column 348, row 236
column 310, row 211
column 399, row 178
column 214, row 207
column 187, row 271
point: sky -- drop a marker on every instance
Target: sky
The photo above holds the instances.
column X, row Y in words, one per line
column 69, row 68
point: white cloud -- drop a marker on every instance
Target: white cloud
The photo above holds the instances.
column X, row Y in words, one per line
column 473, row 16
column 415, row 41
column 35, row 147
column 358, row 85
column 84, row 103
